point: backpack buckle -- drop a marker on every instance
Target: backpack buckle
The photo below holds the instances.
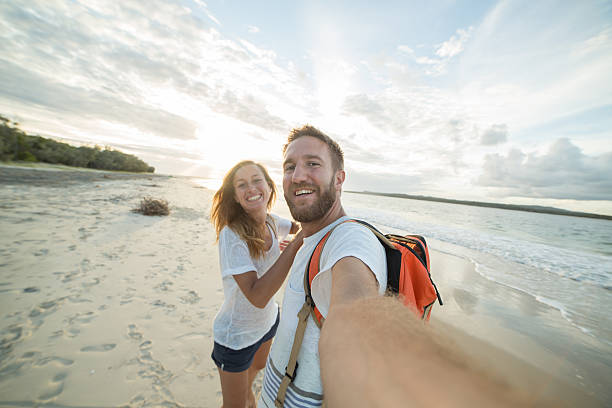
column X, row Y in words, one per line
column 292, row 377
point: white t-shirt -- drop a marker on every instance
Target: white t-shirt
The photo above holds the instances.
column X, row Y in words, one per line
column 238, row 323
column 348, row 239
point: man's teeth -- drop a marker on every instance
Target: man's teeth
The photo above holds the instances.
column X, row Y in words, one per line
column 254, row 198
column 300, row 192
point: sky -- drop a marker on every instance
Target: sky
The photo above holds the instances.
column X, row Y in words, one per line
column 499, row 101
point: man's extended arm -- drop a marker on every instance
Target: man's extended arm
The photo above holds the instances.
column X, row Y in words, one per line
column 375, row 352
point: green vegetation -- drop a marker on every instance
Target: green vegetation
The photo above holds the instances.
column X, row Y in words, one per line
column 16, row 145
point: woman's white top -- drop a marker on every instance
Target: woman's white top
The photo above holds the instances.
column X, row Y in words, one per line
column 238, row 323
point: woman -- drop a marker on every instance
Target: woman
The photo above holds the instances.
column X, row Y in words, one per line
column 253, row 269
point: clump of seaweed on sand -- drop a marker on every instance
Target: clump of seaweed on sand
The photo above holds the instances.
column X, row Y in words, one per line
column 152, row 206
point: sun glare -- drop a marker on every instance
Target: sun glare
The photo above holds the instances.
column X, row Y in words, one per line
column 224, row 142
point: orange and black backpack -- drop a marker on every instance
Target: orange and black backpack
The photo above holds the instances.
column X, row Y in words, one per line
column 408, row 278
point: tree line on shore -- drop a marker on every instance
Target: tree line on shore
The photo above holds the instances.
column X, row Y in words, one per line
column 16, row 145
column 515, row 207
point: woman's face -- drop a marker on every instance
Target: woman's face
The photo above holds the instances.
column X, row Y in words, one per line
column 251, row 190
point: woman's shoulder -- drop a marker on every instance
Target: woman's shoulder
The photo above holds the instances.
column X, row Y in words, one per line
column 278, row 219
column 228, row 234
column 281, row 225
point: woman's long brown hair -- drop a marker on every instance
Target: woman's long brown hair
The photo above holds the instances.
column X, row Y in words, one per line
column 226, row 211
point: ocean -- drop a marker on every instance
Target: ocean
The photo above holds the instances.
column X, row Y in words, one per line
column 564, row 262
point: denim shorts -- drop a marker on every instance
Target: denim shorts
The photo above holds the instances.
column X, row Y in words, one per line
column 236, row 361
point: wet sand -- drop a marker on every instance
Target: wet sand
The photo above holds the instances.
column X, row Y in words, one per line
column 103, row 307
column 483, row 319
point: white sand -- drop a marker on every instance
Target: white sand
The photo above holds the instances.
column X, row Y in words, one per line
column 105, row 307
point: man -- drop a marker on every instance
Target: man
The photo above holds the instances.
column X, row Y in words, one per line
column 352, row 264
column 374, row 351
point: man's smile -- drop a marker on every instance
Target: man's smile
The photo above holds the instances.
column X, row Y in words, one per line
column 303, row 191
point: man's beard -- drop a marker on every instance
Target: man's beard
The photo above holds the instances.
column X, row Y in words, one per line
column 318, row 209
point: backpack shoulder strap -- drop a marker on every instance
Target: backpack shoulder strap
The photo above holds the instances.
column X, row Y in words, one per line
column 308, row 309
column 313, row 268
column 292, row 364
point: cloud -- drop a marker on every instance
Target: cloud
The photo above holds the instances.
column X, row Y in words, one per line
column 436, row 64
column 405, row 49
column 249, row 109
column 21, row 85
column 496, row 134
column 119, row 72
column 358, row 180
column 419, row 126
column 384, row 113
column 454, row 45
column 517, row 60
column 564, row 172
column 357, row 152
column 152, row 67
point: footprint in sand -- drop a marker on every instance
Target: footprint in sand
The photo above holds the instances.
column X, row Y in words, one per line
column 81, row 317
column 84, row 234
column 99, row 348
column 54, row 359
column 41, row 252
column 167, row 306
column 11, row 370
column 190, row 298
column 31, row 289
column 133, row 333
column 153, row 370
column 164, row 286
column 94, row 282
column 54, row 388
column 110, row 256
column 72, row 332
column 46, row 308
column 12, row 335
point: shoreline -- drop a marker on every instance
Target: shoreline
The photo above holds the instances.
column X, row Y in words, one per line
column 64, row 167
column 51, row 174
column 512, row 207
column 517, row 357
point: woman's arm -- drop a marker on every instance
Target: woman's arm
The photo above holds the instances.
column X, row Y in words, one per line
column 295, row 227
column 259, row 291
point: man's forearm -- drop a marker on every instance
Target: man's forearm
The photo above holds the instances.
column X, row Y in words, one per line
column 376, row 353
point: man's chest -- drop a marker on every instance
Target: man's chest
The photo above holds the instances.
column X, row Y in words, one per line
column 296, row 275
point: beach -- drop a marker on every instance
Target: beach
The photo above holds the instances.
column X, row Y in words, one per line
column 104, row 307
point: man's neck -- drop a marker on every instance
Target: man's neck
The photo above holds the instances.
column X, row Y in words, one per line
column 335, row 212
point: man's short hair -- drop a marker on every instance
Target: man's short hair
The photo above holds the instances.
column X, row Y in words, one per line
column 334, row 149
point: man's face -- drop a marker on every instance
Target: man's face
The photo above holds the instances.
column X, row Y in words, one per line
column 309, row 181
